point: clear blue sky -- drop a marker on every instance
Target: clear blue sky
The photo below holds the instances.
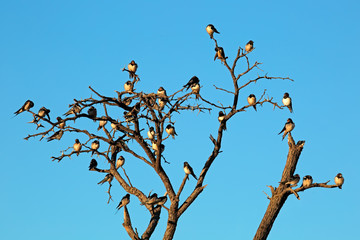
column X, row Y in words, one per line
column 51, row 51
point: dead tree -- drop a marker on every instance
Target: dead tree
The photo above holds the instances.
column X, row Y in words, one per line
column 146, row 119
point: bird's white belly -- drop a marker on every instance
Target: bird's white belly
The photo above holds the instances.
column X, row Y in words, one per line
column 286, row 101
column 339, row 181
column 251, row 101
column 289, row 127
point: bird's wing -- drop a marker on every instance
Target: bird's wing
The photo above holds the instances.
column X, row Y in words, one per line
column 282, row 130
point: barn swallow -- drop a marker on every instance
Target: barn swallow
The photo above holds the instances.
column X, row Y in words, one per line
column 195, row 88
column 132, row 67
column 57, row 135
column 289, row 126
column 120, row 162
column 124, row 201
column 249, row 46
column 26, row 107
column 114, row 125
column 162, row 102
column 127, row 101
column 161, row 200
column 339, row 180
column 75, row 109
column 61, row 123
column 161, row 92
column 93, row 164
column 155, row 147
column 210, row 30
column 151, row 133
column 293, row 180
column 220, row 54
column 44, row 111
column 192, row 81
column 221, row 118
column 92, row 113
column 307, row 181
column 188, row 170
column 102, row 122
column 252, row 100
column 129, row 86
column 287, row 101
column 77, row 146
column 171, row 130
column 129, row 118
column 108, row 178
column 95, row 146
column 151, row 199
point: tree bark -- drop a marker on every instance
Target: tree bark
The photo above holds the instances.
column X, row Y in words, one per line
column 280, row 194
column 172, row 221
column 155, row 217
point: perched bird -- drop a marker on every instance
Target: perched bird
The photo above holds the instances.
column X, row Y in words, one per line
column 120, row 162
column 124, row 201
column 287, row 101
column 252, row 100
column 155, row 147
column 77, row 146
column 192, row 81
column 132, row 67
column 249, row 46
column 102, row 122
column 195, row 88
column 61, row 123
column 188, row 170
column 161, row 200
column 161, row 92
column 293, row 180
column 307, row 181
column 26, row 107
column 221, row 118
column 114, row 125
column 151, row 133
column 93, row 164
column 339, row 180
column 127, row 101
column 75, row 109
column 151, row 199
column 162, row 102
column 108, row 178
column 171, row 130
column 210, row 30
column 220, row 54
column 95, row 146
column 129, row 86
column 162, row 97
column 129, row 118
column 44, row 111
column 57, row 135
column 289, row 126
column 92, row 113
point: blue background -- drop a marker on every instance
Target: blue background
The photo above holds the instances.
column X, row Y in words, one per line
column 51, row 51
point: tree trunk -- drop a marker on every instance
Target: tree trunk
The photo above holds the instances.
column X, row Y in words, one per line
column 170, row 228
column 172, row 221
column 271, row 213
column 280, row 194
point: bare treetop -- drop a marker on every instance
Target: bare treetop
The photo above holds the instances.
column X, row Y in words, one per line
column 146, row 120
